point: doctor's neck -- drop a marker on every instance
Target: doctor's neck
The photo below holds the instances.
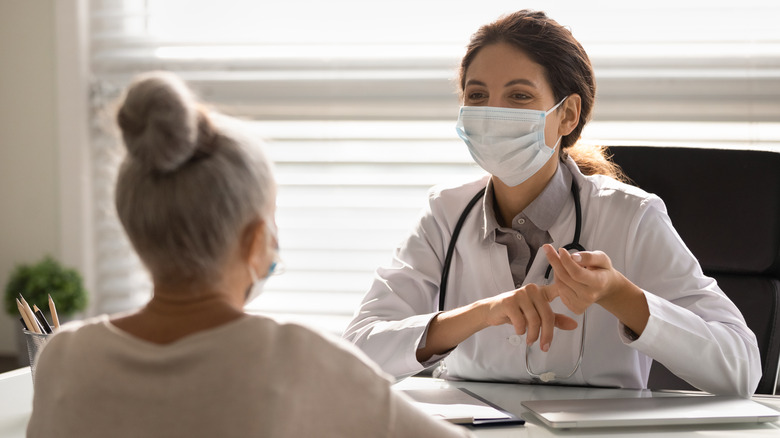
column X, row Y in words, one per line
column 511, row 201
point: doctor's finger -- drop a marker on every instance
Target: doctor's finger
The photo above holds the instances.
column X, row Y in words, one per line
column 574, row 270
column 569, row 297
column 561, row 273
column 592, row 259
column 551, row 291
column 547, row 317
column 517, row 321
column 564, row 322
column 591, row 279
column 509, row 312
column 533, row 320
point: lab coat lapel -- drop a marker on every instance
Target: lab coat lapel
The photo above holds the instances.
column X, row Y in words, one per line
column 499, row 265
column 562, row 233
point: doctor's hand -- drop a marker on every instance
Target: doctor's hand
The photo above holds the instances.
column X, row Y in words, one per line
column 588, row 277
column 583, row 278
column 528, row 310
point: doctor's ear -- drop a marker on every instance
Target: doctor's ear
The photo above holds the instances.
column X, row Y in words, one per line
column 570, row 114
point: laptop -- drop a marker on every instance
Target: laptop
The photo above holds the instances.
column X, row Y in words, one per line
column 649, row 411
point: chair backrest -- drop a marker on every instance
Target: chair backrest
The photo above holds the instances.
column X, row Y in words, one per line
column 725, row 204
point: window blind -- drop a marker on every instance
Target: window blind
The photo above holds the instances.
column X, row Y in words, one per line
column 357, row 103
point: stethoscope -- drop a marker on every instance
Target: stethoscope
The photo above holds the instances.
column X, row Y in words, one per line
column 574, row 245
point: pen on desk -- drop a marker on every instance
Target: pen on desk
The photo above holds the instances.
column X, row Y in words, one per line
column 37, row 327
column 30, row 325
column 42, row 319
column 53, row 310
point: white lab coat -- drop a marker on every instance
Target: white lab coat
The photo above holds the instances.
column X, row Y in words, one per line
column 694, row 329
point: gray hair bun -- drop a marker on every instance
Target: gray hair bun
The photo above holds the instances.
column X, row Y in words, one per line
column 159, row 121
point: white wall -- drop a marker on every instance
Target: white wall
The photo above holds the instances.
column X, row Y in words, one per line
column 29, row 166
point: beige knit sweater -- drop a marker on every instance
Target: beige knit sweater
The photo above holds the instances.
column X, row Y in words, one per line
column 252, row 377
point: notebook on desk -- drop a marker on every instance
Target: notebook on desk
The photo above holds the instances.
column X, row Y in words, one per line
column 651, row 411
column 460, row 406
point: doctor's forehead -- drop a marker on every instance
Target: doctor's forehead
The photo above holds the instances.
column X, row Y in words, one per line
column 505, row 65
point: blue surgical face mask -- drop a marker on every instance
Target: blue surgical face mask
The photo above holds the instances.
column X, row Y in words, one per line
column 507, row 142
column 256, row 288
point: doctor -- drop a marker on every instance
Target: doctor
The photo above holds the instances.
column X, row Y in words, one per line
column 623, row 289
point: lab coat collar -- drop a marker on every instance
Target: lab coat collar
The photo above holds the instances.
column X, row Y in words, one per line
column 489, row 222
column 562, row 230
column 543, row 211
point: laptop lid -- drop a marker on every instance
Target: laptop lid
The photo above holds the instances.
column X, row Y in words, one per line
column 649, row 411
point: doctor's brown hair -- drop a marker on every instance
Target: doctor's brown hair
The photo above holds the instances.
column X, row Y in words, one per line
column 566, row 66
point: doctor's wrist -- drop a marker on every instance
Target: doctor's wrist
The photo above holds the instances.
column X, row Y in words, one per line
column 628, row 303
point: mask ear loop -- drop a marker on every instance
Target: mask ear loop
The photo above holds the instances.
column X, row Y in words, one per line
column 255, row 280
column 548, row 113
column 253, row 274
column 277, row 265
column 556, row 106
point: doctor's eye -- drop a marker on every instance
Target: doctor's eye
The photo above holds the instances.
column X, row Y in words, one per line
column 519, row 96
column 475, row 96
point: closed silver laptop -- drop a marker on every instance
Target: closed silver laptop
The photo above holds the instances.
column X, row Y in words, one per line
column 650, row 411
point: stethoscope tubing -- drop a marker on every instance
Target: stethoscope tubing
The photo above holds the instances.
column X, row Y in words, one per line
column 451, row 248
column 574, row 245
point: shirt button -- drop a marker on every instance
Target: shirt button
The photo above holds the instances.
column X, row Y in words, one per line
column 521, row 221
column 519, row 236
column 515, row 340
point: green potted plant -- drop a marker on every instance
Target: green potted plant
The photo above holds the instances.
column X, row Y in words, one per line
column 36, row 282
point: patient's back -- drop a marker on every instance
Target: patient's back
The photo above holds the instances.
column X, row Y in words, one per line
column 249, row 377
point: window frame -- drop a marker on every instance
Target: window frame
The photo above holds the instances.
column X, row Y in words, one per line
column 694, row 96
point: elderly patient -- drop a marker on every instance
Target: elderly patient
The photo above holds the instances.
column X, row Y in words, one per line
column 197, row 200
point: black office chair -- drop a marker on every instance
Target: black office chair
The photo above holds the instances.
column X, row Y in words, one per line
column 726, row 206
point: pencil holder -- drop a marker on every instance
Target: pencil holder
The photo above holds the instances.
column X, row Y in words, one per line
column 35, row 342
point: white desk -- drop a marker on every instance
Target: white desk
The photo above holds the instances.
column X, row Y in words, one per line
column 16, row 393
column 16, row 404
column 510, row 396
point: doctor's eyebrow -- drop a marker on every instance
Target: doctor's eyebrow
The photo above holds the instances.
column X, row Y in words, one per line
column 508, row 84
column 521, row 82
column 475, row 82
